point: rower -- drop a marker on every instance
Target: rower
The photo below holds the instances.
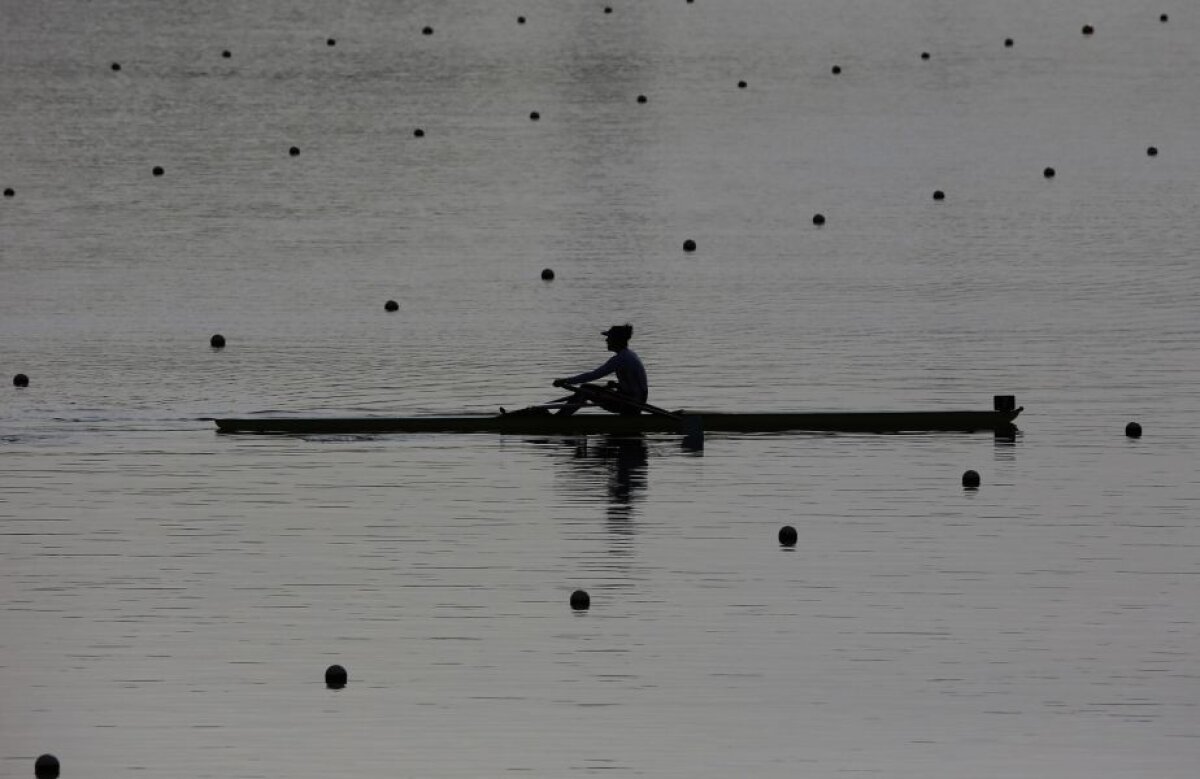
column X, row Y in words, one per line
column 631, row 384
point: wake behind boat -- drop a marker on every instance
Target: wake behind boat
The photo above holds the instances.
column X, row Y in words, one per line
column 539, row 420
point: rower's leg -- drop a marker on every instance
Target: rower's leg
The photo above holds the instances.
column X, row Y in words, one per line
column 572, row 404
column 587, row 393
column 617, row 407
column 613, row 402
column 607, row 399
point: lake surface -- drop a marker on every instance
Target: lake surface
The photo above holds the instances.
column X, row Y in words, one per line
column 170, row 598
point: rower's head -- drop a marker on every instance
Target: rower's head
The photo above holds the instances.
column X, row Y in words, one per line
column 618, row 337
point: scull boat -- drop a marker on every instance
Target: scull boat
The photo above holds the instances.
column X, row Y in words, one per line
column 539, row 421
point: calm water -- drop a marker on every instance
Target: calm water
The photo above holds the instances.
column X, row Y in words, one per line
column 169, row 598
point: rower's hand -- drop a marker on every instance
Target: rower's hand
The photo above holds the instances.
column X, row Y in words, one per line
column 559, row 382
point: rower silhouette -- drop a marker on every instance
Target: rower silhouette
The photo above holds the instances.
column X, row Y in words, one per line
column 619, row 397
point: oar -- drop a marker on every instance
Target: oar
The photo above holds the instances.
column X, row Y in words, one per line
column 692, row 425
column 547, row 405
column 662, row 412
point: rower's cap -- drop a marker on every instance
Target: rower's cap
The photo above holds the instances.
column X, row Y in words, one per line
column 619, row 332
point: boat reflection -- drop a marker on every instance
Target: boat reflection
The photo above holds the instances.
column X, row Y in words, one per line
column 1005, row 444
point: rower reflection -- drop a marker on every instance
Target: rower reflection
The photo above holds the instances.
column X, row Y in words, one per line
column 624, row 462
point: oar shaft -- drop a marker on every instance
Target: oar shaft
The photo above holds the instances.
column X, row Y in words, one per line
column 691, row 425
column 662, row 412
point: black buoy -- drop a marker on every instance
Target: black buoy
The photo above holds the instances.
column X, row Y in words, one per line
column 20, row 380
column 1088, row 29
column 1163, row 18
column 46, row 767
column 227, row 54
column 608, row 9
column 158, row 171
column 939, row 194
column 689, row 245
column 1048, row 173
column 1133, row 430
column 1152, row 151
column 547, row 274
column 837, row 69
column 741, row 85
column 818, row 219
column 217, row 341
column 520, row 20
column 787, row 535
column 294, row 151
column 642, row 98
column 970, row 480
column 924, row 55
column 534, row 116
column 1008, row 42
column 9, row 192
column 418, row 133
column 580, row 600
column 330, row 42
column 335, row 677
column 427, row 31
column 391, row 305
column 116, row 66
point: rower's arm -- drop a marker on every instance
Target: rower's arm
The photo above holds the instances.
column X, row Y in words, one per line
column 606, row 369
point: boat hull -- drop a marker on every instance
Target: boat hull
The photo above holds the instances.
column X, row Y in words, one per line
column 611, row 424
